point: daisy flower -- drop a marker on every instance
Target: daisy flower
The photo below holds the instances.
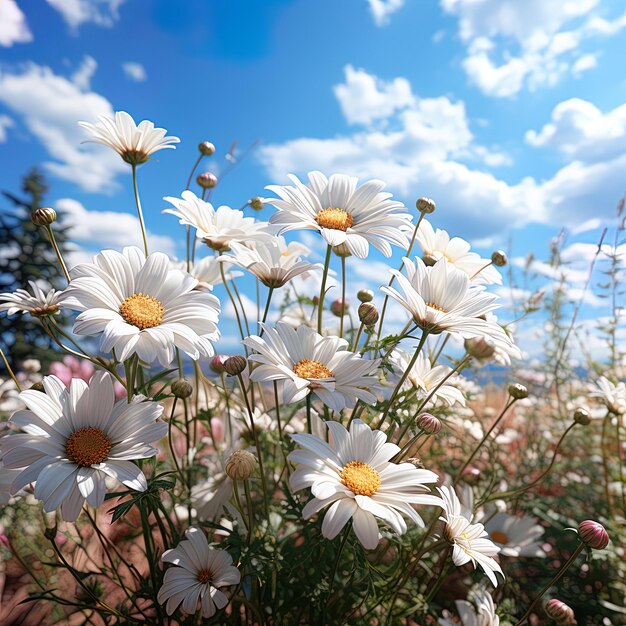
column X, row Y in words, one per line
column 353, row 476
column 217, row 228
column 198, row 574
column 424, row 378
column 441, row 299
column 437, row 245
column 207, row 271
column 481, row 613
column 133, row 143
column 274, row 262
column 515, row 536
column 484, row 349
column 343, row 213
column 73, row 439
column 142, row 306
column 611, row 395
column 469, row 541
column 39, row 303
column 304, row 361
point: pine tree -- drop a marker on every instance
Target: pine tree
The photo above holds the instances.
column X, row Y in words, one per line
column 26, row 255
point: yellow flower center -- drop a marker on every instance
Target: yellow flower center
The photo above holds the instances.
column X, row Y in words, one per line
column 306, row 368
column 500, row 537
column 87, row 446
column 337, row 219
column 142, row 311
column 360, row 478
column 432, row 305
column 204, row 576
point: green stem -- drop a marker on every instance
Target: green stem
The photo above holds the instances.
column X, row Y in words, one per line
column 343, row 295
column 557, row 576
column 516, row 492
column 267, row 308
column 257, row 445
column 404, row 376
column 53, row 243
column 408, row 254
column 507, row 406
column 320, row 304
column 139, row 211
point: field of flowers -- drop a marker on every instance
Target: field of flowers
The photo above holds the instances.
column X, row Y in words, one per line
column 394, row 460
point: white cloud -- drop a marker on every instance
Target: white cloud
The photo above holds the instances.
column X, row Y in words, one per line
column 135, row 71
column 579, row 130
column 93, row 231
column 427, row 149
column 13, row 26
column 584, row 63
column 418, row 152
column 83, row 75
column 381, row 10
column 512, row 44
column 5, row 123
column 51, row 105
column 364, row 98
column 78, row 12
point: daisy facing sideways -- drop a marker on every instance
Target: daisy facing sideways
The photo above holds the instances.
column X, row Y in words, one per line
column 352, row 476
column 438, row 245
column 342, row 212
column 480, row 612
column 134, row 143
column 142, row 306
column 469, row 541
column 426, row 379
column 197, row 576
column 218, row 228
column 73, row 439
column 305, row 362
column 39, row 304
column 441, row 298
column 273, row 262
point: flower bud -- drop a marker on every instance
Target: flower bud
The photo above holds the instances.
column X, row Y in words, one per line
column 480, row 347
column 498, row 258
column 368, row 314
column 256, row 203
column 470, row 475
column 182, row 388
column 560, row 612
column 217, row 363
column 425, row 205
column 206, row 180
column 240, row 465
column 43, row 216
column 518, row 391
column 593, row 534
column 581, row 416
column 206, row 148
column 339, row 308
column 428, row 423
column 365, row 295
column 234, row 365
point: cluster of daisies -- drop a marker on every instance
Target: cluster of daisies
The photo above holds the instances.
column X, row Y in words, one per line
column 146, row 308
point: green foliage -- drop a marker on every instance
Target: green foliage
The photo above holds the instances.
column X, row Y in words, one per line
column 28, row 257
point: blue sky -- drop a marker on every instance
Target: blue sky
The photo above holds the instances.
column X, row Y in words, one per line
column 510, row 114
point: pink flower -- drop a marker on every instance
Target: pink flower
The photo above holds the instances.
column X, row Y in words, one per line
column 71, row 367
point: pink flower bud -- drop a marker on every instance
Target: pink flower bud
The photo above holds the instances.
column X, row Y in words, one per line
column 593, row 534
column 560, row 612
